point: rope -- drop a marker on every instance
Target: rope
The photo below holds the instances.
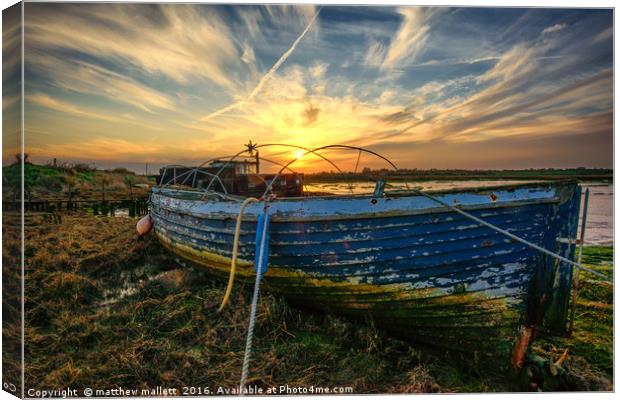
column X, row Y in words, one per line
column 248, row 342
column 233, row 261
column 518, row 239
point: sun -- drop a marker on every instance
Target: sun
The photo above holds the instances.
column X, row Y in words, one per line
column 299, row 153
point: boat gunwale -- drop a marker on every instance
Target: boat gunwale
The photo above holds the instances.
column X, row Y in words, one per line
column 372, row 215
column 388, row 194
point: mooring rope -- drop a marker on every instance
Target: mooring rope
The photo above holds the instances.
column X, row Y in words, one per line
column 259, row 273
column 233, row 261
column 517, row 238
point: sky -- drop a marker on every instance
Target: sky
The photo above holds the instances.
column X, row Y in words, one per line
column 473, row 88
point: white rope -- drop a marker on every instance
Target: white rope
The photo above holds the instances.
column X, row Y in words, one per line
column 514, row 237
column 248, row 341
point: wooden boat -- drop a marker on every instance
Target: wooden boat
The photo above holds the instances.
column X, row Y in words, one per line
column 454, row 268
column 416, row 267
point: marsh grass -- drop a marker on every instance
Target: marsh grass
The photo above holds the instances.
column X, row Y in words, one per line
column 590, row 347
column 104, row 309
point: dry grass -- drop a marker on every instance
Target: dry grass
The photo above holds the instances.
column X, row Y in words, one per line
column 104, row 309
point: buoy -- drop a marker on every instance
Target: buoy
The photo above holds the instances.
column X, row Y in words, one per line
column 145, row 225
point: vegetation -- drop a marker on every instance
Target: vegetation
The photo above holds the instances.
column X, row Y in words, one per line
column 71, row 180
column 104, row 310
column 583, row 174
column 591, row 345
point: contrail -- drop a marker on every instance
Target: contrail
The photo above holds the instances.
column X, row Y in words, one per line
column 267, row 76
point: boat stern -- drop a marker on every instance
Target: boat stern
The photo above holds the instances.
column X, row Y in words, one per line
column 549, row 303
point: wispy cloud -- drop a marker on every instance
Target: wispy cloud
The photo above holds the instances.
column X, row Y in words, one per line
column 88, row 78
column 605, row 34
column 553, row 28
column 176, row 41
column 133, row 81
column 44, row 100
column 375, row 55
column 267, row 76
column 411, row 37
column 525, row 93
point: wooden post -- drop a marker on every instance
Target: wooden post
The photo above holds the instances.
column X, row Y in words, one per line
column 582, row 236
column 520, row 349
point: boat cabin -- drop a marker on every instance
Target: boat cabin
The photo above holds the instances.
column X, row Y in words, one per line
column 238, row 177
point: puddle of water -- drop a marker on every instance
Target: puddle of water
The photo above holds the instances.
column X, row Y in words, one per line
column 129, row 284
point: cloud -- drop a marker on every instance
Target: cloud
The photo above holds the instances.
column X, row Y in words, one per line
column 127, row 83
column 69, row 109
column 311, row 114
column 290, row 110
column 318, row 70
column 98, row 148
column 44, row 100
column 410, row 39
column 267, row 76
column 553, row 28
column 532, row 90
column 584, row 142
column 9, row 101
column 251, row 18
column 605, row 34
column 248, row 56
column 290, row 17
column 529, row 92
column 176, row 41
column 11, row 44
column 375, row 55
column 88, row 78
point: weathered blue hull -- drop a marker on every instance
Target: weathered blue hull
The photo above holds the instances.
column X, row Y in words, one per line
column 422, row 270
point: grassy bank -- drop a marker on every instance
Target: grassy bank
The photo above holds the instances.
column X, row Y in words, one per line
column 104, row 309
column 78, row 180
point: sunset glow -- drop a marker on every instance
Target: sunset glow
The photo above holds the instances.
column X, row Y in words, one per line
column 125, row 85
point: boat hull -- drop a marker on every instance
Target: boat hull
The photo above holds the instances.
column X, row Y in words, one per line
column 419, row 269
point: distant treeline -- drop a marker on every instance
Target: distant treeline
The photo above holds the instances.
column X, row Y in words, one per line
column 463, row 174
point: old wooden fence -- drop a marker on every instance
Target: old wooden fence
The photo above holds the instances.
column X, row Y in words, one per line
column 135, row 207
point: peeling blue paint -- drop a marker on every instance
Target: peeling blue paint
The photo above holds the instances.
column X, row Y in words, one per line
column 398, row 254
